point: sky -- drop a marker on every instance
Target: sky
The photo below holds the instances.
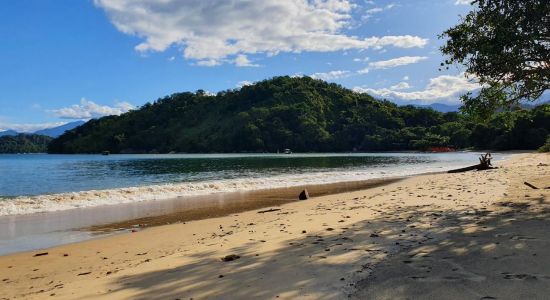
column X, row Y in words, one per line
column 66, row 60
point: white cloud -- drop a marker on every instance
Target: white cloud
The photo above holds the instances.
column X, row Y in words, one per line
column 375, row 10
column 88, row 110
column 400, row 86
column 215, row 31
column 463, row 2
column 242, row 61
column 208, row 63
column 445, row 88
column 28, row 127
column 405, row 78
column 332, row 75
column 361, row 59
column 297, row 75
column 363, row 71
column 396, row 62
column 240, row 84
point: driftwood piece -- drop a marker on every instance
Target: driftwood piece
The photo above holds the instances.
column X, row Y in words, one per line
column 484, row 164
column 530, row 185
column 268, row 210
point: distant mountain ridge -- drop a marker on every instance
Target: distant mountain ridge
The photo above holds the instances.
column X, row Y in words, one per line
column 440, row 107
column 8, row 132
column 50, row 132
column 59, row 130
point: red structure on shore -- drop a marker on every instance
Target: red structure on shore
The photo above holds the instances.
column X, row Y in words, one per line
column 441, row 149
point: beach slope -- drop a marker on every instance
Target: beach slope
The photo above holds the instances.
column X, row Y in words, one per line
column 475, row 235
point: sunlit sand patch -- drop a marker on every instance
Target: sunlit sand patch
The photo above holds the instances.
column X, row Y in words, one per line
column 489, row 247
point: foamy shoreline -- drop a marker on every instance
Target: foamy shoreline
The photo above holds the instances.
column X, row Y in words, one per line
column 65, row 201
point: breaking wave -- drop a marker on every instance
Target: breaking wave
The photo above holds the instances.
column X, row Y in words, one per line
column 70, row 200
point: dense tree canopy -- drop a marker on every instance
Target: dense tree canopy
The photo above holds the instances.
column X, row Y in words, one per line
column 506, row 45
column 302, row 114
column 24, row 143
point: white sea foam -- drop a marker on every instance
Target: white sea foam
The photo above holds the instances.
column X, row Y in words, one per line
column 65, row 201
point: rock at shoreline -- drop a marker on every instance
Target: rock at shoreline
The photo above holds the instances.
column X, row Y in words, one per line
column 304, row 195
column 230, row 257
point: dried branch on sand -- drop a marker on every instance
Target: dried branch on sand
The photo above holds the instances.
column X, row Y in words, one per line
column 484, row 164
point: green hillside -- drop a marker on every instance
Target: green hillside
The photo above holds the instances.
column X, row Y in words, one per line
column 303, row 114
column 24, row 143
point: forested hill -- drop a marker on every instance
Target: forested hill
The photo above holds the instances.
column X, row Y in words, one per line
column 302, row 114
column 24, row 143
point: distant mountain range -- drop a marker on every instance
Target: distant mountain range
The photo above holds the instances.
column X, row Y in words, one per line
column 440, row 107
column 51, row 132
column 59, row 130
column 444, row 108
column 8, row 132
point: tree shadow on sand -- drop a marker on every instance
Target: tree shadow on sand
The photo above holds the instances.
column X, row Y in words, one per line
column 419, row 252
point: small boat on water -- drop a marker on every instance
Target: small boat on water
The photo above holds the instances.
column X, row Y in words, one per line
column 287, row 151
column 105, row 153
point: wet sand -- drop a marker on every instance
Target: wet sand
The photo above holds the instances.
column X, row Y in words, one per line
column 212, row 206
column 476, row 235
column 34, row 231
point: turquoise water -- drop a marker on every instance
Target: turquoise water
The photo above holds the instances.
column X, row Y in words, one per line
column 41, row 182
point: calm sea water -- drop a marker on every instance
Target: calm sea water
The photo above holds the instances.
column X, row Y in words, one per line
column 41, row 182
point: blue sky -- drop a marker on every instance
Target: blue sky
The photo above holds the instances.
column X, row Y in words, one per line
column 62, row 60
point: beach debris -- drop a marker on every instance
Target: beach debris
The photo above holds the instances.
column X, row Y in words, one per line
column 304, row 195
column 230, row 257
column 41, row 254
column 530, row 185
column 85, row 273
column 268, row 210
column 484, row 164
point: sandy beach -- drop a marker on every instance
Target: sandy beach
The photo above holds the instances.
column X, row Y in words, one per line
column 474, row 235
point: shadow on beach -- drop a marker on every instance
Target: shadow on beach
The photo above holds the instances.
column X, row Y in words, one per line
column 496, row 252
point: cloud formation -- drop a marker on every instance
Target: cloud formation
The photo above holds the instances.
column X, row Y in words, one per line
column 212, row 32
column 242, row 61
column 240, row 84
column 384, row 64
column 375, row 10
column 89, row 110
column 396, row 62
column 445, row 88
column 400, row 86
column 332, row 75
column 463, row 2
